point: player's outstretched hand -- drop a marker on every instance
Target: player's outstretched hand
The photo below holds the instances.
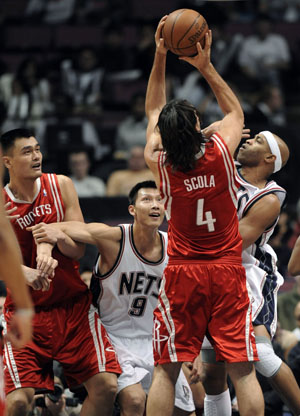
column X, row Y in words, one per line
column 9, row 211
column 202, row 59
column 20, row 328
column 159, row 41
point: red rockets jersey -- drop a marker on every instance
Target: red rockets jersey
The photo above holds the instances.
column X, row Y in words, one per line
column 201, row 206
column 47, row 206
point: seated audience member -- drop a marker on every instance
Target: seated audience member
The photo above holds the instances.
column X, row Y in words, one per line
column 82, row 79
column 287, row 302
column 287, row 340
column 132, row 130
column 294, row 361
column 50, row 11
column 269, row 109
column 25, row 95
column 264, row 55
column 121, row 181
column 63, row 130
column 86, row 186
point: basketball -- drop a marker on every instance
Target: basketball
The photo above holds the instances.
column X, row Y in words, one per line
column 182, row 30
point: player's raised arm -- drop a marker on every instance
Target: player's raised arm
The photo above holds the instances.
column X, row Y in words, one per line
column 233, row 121
column 155, row 98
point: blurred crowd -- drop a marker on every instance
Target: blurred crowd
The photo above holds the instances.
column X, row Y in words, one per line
column 75, row 71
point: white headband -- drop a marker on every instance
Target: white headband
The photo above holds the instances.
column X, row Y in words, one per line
column 272, row 142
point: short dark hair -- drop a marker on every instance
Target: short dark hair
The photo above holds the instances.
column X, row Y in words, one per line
column 8, row 138
column 180, row 139
column 134, row 191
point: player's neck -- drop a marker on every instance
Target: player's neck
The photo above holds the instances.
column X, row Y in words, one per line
column 254, row 176
column 146, row 240
column 23, row 189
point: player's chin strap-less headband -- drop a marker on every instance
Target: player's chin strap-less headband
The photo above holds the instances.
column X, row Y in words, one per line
column 272, row 142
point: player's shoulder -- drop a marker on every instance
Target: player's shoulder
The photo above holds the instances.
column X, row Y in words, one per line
column 64, row 180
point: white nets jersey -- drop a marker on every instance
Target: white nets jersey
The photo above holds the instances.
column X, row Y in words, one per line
column 127, row 294
column 260, row 259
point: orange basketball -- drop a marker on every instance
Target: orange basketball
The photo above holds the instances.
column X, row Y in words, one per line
column 182, row 30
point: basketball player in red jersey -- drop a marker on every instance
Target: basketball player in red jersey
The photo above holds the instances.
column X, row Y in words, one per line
column 66, row 325
column 11, row 273
column 204, row 287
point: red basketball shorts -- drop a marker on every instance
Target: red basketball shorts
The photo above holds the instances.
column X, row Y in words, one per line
column 203, row 299
column 71, row 334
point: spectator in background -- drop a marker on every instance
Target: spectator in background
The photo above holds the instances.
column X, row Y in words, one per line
column 132, row 130
column 17, row 107
column 50, row 11
column 287, row 10
column 269, row 109
column 86, row 186
column 264, row 55
column 114, row 53
column 144, row 48
column 287, row 302
column 81, row 79
column 64, row 130
column 25, row 95
column 121, row 181
column 210, row 109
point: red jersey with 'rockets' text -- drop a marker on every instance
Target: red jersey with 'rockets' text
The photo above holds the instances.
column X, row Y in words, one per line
column 48, row 207
column 201, row 206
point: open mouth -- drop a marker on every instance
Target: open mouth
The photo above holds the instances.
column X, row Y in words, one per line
column 155, row 215
column 36, row 166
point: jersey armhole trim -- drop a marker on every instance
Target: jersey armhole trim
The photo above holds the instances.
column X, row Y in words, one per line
column 117, row 262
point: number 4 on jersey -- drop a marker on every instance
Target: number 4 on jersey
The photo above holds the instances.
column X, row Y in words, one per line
column 209, row 220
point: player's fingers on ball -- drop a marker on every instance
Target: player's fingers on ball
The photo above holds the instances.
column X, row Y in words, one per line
column 210, row 37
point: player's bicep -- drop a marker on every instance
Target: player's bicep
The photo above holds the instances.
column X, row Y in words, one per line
column 99, row 234
column 259, row 217
column 70, row 199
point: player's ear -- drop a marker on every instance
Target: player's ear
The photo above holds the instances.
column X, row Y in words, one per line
column 6, row 161
column 131, row 210
column 269, row 158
